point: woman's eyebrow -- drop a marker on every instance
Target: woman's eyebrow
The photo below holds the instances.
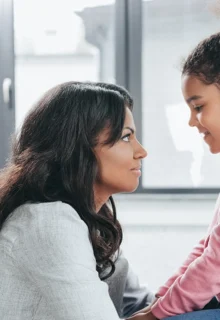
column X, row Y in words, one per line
column 129, row 128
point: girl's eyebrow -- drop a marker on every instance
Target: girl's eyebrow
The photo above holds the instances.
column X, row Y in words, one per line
column 129, row 128
column 193, row 98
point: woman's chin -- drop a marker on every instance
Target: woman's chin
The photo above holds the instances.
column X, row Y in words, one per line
column 132, row 188
column 127, row 189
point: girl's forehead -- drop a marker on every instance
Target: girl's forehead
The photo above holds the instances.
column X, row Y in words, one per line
column 194, row 89
column 192, row 85
column 189, row 80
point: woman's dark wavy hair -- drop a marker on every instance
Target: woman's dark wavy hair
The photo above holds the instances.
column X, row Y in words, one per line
column 53, row 158
column 204, row 61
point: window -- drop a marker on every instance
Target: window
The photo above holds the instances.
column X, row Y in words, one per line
column 58, row 41
column 178, row 158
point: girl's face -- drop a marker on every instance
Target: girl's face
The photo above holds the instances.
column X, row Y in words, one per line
column 120, row 164
column 204, row 103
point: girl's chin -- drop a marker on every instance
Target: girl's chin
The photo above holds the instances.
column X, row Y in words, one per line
column 214, row 145
column 214, row 150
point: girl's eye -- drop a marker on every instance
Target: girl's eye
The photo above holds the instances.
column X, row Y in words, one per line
column 126, row 138
column 198, row 108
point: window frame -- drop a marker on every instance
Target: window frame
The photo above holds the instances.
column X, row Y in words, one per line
column 128, row 52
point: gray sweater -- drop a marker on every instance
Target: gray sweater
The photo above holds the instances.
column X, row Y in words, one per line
column 48, row 270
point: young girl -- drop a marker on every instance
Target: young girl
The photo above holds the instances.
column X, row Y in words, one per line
column 198, row 280
column 59, row 239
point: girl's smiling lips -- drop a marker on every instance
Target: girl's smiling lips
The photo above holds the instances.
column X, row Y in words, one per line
column 204, row 133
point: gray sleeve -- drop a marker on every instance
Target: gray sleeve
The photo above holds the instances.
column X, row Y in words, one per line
column 135, row 296
column 55, row 253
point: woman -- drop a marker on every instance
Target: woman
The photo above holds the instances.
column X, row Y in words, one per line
column 59, row 239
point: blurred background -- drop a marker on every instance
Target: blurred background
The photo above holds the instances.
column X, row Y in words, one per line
column 141, row 46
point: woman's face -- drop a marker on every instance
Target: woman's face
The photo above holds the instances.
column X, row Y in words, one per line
column 120, row 164
column 204, row 103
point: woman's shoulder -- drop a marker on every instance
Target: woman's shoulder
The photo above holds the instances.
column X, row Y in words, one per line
column 44, row 207
column 45, row 235
column 42, row 220
column 48, row 211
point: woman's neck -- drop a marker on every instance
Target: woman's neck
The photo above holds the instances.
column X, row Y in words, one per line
column 100, row 197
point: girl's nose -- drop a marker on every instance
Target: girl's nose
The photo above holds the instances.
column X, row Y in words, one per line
column 193, row 121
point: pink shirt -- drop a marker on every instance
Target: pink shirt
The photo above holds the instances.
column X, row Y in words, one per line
column 197, row 280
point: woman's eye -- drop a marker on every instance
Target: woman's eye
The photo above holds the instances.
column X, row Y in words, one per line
column 126, row 138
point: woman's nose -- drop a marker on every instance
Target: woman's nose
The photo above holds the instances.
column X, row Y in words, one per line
column 141, row 152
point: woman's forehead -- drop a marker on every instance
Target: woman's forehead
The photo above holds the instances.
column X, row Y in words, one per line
column 129, row 120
